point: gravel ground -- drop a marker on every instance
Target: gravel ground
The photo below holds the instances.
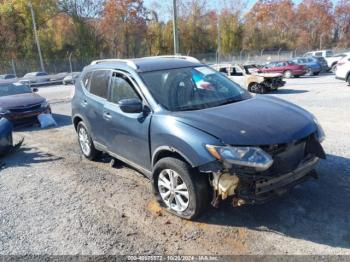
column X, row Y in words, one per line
column 52, row 201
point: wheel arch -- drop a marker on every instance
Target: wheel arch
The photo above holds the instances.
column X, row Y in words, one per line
column 76, row 119
column 347, row 76
column 168, row 151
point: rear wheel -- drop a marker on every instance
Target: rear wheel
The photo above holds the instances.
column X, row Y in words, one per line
column 308, row 72
column 349, row 80
column 86, row 144
column 288, row 74
column 316, row 73
column 180, row 189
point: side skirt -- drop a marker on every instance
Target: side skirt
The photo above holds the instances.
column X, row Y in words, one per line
column 139, row 168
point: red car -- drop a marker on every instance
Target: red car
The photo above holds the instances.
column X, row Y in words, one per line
column 287, row 68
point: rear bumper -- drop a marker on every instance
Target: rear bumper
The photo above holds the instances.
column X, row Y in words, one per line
column 266, row 189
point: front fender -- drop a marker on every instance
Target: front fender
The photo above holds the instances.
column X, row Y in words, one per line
column 167, row 133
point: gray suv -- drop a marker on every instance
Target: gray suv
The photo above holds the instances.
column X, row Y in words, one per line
column 198, row 136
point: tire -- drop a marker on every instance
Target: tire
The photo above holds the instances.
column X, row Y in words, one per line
column 309, row 72
column 333, row 68
column 348, row 80
column 297, row 76
column 263, row 89
column 316, row 73
column 196, row 188
column 288, row 74
column 88, row 149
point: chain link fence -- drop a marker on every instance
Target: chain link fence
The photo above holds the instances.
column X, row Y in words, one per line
column 73, row 64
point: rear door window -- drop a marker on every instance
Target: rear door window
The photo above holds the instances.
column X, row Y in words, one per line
column 319, row 54
column 99, row 83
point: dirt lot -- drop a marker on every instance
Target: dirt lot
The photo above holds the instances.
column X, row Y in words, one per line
column 52, row 201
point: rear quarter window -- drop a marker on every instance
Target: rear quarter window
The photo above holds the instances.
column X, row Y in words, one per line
column 86, row 80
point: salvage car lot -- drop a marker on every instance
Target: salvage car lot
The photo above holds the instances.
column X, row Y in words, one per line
column 52, row 201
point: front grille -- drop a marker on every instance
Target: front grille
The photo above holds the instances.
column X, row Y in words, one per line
column 25, row 109
column 286, row 157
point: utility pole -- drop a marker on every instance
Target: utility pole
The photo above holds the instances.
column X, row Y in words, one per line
column 219, row 40
column 36, row 37
column 175, row 31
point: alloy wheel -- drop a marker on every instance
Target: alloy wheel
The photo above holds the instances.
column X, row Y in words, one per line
column 84, row 141
column 173, row 190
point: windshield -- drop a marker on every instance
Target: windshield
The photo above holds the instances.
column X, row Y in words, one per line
column 13, row 89
column 329, row 53
column 192, row 88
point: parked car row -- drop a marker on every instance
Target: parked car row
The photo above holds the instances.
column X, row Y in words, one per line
column 329, row 57
column 268, row 77
column 40, row 78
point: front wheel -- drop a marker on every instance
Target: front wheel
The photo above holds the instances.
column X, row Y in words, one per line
column 180, row 189
column 288, row 74
column 86, row 144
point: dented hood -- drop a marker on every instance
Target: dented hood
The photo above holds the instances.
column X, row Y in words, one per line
column 262, row 120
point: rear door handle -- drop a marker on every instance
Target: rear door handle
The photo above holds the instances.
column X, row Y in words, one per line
column 107, row 116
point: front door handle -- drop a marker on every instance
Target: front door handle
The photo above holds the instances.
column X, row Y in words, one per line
column 107, row 116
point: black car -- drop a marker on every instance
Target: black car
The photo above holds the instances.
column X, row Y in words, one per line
column 21, row 105
column 195, row 133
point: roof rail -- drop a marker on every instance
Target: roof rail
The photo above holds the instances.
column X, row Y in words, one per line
column 126, row 61
column 188, row 58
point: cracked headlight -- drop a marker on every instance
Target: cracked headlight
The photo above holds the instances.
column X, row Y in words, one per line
column 321, row 135
column 253, row 157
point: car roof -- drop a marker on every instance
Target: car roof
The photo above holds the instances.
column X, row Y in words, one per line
column 147, row 64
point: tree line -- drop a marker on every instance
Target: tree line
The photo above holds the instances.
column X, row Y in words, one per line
column 127, row 28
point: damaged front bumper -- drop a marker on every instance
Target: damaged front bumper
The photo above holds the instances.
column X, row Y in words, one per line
column 293, row 164
column 265, row 189
column 256, row 189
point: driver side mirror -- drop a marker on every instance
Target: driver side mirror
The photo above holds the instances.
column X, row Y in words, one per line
column 133, row 105
column 35, row 90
